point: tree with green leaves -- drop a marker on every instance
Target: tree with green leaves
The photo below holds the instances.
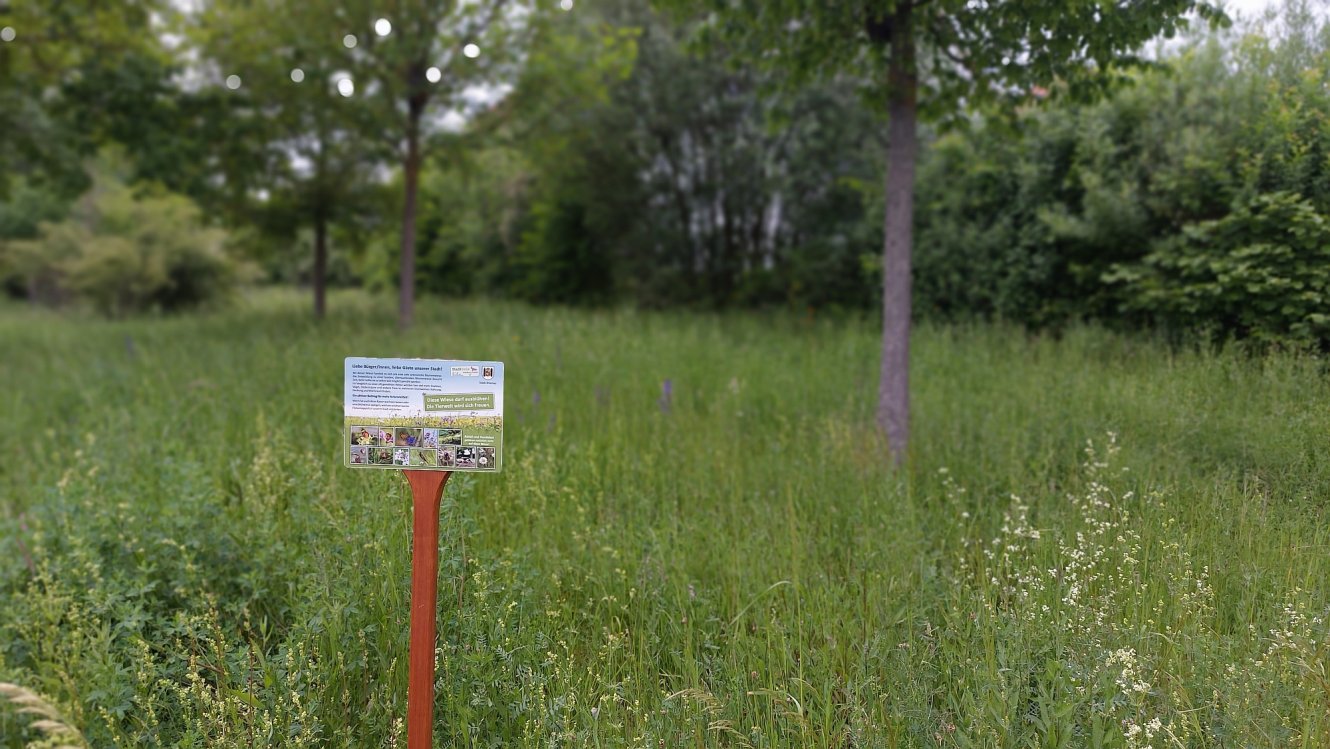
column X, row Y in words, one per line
column 421, row 61
column 487, row 192
column 45, row 48
column 290, row 80
column 939, row 59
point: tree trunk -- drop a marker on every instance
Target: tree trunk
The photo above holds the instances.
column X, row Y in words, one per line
column 411, row 173
column 320, row 275
column 893, row 405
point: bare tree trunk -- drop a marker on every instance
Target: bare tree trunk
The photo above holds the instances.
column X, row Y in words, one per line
column 893, row 404
column 411, row 172
column 320, row 275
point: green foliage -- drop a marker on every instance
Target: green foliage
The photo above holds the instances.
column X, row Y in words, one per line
column 968, row 54
column 309, row 148
column 25, row 207
column 1027, row 222
column 653, row 175
column 49, row 125
column 980, row 250
column 559, row 260
column 184, row 562
column 473, row 210
column 627, row 165
column 482, row 191
column 1262, row 271
column 745, row 198
column 125, row 251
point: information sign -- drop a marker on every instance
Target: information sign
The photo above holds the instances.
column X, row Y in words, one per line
column 423, row 414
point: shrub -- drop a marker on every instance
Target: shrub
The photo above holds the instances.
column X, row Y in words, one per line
column 1263, row 271
column 1067, row 210
column 562, row 261
column 125, row 252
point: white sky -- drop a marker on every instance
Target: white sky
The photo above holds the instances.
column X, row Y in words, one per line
column 1247, row 7
column 1253, row 8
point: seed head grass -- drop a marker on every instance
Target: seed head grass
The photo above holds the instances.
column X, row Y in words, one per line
column 48, row 724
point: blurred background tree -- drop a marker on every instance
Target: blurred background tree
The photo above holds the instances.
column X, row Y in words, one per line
column 428, row 57
column 314, row 154
column 48, row 55
column 593, row 154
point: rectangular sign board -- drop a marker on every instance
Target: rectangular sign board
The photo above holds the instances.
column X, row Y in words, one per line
column 423, row 414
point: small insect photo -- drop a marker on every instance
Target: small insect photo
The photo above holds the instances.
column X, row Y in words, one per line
column 401, row 457
column 485, row 458
column 425, row 458
column 450, row 436
column 364, row 435
column 466, row 457
column 384, row 436
column 380, row 456
column 407, row 437
column 447, row 457
column 429, row 438
column 359, row 455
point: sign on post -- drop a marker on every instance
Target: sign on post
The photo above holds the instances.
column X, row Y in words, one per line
column 428, row 418
column 424, row 414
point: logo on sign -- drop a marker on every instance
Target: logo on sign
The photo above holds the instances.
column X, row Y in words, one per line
column 470, row 371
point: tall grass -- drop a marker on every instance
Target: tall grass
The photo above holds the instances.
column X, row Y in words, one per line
column 720, row 561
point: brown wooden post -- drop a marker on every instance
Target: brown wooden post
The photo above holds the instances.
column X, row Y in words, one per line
column 426, row 491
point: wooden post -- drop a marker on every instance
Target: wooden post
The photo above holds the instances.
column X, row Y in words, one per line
column 426, row 491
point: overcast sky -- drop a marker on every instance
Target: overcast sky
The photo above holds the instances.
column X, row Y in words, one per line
column 1251, row 8
column 1247, row 7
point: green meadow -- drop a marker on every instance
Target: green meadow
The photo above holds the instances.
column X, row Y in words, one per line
column 1098, row 541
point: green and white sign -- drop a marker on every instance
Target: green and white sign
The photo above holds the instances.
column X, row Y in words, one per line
column 423, row 414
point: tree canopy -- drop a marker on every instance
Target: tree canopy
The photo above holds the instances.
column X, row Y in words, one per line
column 969, row 52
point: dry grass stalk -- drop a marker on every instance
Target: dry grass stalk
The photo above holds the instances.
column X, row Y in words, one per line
column 50, row 722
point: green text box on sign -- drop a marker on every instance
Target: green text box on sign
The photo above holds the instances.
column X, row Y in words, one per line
column 459, row 401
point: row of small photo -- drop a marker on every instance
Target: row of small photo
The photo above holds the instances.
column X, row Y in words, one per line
column 374, row 436
column 449, row 456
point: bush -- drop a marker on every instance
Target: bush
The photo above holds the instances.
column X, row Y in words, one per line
column 1262, row 272
column 125, row 252
column 1070, row 211
column 563, row 262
